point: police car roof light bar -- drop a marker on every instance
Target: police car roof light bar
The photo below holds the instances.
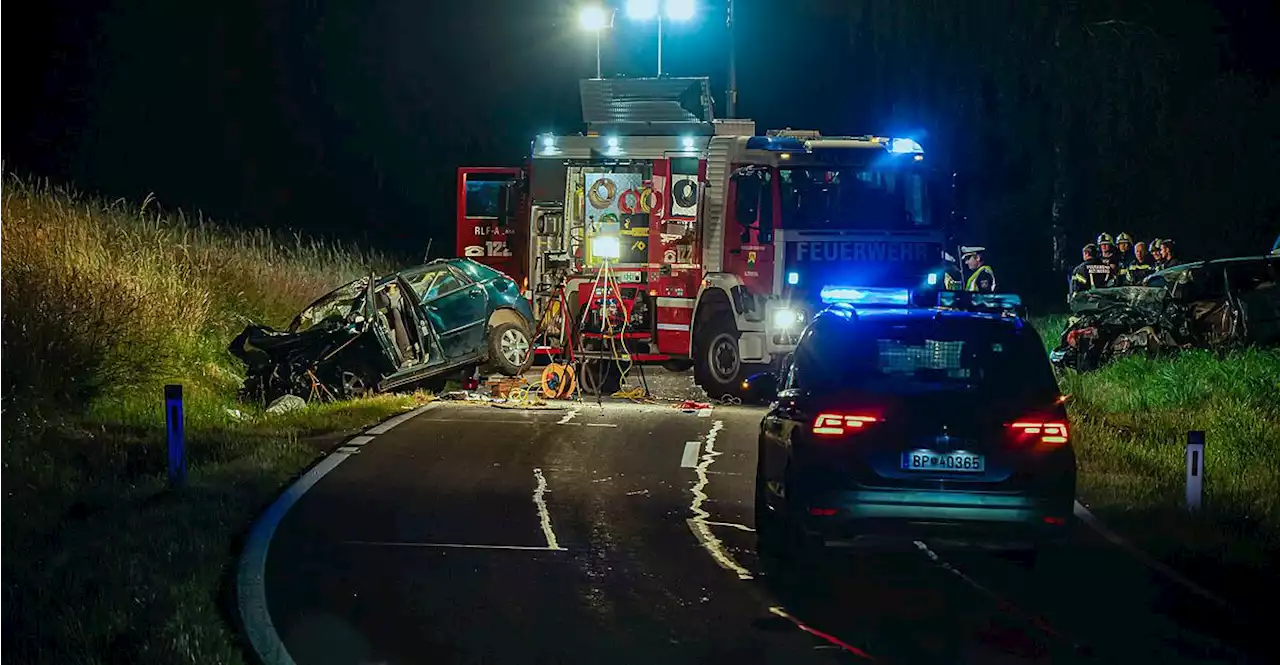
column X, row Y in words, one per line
column 860, row 295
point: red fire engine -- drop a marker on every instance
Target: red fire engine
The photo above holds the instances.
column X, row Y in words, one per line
column 720, row 241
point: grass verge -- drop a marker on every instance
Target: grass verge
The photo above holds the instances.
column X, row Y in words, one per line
column 1130, row 421
column 104, row 303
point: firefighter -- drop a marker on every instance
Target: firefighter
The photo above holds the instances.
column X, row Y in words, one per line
column 1154, row 248
column 1143, row 264
column 1081, row 280
column 1124, row 243
column 1109, row 259
column 1168, row 255
column 982, row 278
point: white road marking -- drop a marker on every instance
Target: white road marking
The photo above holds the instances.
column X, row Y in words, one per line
column 359, row 440
column 251, row 571
column 391, row 424
column 698, row 524
column 349, row 450
column 568, row 416
column 704, row 413
column 733, row 525
column 1092, row 520
column 601, row 425
column 544, row 516
column 465, row 546
column 690, row 458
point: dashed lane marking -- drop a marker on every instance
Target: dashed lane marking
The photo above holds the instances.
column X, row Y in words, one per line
column 689, row 459
column 568, row 416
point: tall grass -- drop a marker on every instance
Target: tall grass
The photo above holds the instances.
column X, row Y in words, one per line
column 1130, row 422
column 103, row 304
column 103, row 301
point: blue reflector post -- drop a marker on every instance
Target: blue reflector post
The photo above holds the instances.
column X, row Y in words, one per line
column 857, row 295
column 176, row 435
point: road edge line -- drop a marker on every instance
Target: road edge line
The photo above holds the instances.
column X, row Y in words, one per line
column 1145, row 559
column 251, row 569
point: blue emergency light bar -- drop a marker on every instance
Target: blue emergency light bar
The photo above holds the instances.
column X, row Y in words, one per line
column 866, row 295
column 1010, row 302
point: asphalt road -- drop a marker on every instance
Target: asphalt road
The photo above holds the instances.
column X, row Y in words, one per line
column 472, row 534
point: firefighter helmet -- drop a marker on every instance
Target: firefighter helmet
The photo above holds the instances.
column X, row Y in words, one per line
column 1124, row 237
column 1155, row 244
column 1104, row 239
column 1089, row 247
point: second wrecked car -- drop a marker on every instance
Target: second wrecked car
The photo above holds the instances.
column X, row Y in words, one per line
column 396, row 331
column 1208, row 304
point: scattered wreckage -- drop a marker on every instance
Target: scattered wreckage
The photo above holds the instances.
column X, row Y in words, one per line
column 410, row 328
column 1218, row 304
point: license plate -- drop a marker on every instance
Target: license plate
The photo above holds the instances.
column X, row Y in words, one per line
column 929, row 460
column 627, row 276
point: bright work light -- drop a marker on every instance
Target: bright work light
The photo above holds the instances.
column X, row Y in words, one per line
column 593, row 18
column 606, row 247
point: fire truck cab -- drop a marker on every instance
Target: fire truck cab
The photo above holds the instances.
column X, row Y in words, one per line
column 720, row 242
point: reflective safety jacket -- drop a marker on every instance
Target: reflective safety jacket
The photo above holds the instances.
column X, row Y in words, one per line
column 1137, row 270
column 1093, row 274
column 982, row 280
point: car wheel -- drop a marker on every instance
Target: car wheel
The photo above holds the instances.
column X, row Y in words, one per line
column 354, row 385
column 510, row 350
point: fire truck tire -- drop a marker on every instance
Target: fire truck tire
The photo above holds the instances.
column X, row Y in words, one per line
column 717, row 366
column 510, row 350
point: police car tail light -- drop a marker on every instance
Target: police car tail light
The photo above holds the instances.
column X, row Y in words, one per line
column 839, row 424
column 1049, row 432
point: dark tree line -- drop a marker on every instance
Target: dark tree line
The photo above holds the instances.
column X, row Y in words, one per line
column 1066, row 118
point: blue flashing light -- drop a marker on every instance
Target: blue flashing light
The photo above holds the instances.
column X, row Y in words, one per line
column 793, row 278
column 905, row 146
column 687, row 143
column 855, row 295
column 980, row 301
column 932, row 279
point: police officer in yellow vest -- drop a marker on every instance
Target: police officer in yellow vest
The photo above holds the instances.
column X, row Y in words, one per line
column 982, row 278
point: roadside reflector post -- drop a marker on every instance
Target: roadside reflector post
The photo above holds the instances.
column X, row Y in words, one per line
column 1195, row 470
column 176, row 436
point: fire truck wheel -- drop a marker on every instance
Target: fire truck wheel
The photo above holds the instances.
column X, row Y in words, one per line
column 718, row 368
column 510, row 351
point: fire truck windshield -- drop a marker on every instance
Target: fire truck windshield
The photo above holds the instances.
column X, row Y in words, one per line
column 849, row 197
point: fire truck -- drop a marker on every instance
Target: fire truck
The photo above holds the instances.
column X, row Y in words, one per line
column 721, row 242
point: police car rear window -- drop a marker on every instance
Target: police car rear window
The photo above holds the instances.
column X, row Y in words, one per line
column 925, row 354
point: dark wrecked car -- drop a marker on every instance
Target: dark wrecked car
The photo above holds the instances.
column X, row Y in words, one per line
column 1219, row 304
column 398, row 331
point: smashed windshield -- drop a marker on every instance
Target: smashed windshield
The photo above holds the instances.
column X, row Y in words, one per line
column 335, row 306
column 851, row 197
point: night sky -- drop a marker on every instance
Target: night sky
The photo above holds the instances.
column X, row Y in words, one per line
column 350, row 118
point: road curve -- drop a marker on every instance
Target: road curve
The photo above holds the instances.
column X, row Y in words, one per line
column 622, row 533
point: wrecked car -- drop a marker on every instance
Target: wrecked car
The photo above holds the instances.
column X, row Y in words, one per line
column 407, row 329
column 1218, row 304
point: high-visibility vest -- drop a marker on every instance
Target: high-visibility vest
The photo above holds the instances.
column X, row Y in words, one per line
column 971, row 284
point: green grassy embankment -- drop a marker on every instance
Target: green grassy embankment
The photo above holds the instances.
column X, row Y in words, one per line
column 1130, row 421
column 103, row 304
